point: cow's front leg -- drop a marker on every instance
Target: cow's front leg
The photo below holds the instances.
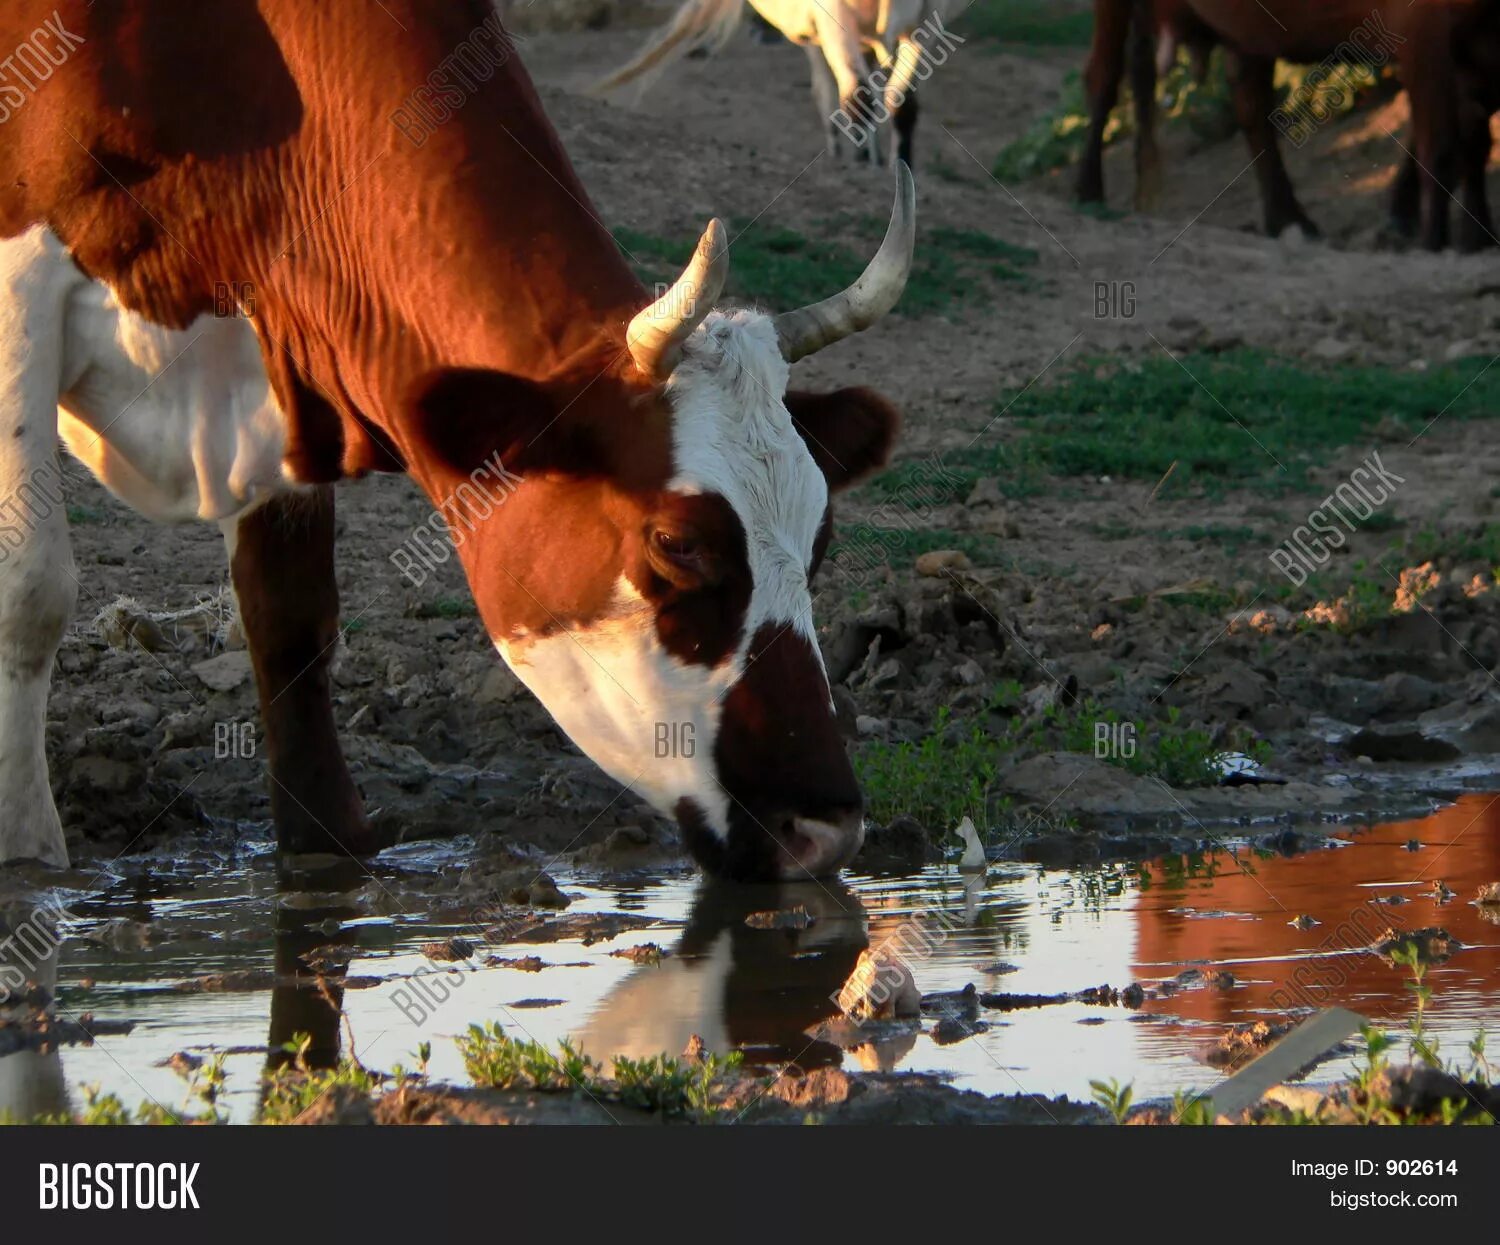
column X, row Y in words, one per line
column 281, row 561
column 38, row 588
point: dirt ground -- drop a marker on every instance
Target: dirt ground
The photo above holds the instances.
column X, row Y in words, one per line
column 442, row 741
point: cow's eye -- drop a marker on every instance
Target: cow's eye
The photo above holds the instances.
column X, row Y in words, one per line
column 679, row 557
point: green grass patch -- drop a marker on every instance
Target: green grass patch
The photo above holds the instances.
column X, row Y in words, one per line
column 85, row 516
column 445, row 607
column 1219, row 421
column 1230, row 537
column 948, row 773
column 659, row 1083
column 1238, row 418
column 781, row 268
column 867, row 544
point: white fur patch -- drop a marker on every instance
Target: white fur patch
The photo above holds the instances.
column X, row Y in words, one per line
column 645, row 718
column 733, row 436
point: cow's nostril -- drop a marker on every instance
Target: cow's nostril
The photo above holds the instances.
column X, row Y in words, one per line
column 819, row 846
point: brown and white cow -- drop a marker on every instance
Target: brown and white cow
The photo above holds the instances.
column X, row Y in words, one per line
column 432, row 292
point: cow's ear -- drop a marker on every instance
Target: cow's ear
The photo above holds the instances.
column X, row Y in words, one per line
column 464, row 417
column 849, row 432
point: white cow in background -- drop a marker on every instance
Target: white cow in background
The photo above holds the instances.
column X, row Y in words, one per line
column 855, row 98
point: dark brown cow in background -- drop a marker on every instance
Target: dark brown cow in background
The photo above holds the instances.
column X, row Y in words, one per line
column 432, row 292
column 1446, row 54
column 1152, row 30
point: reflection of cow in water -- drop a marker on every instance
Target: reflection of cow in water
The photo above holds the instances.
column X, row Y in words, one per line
column 737, row 987
column 769, row 992
column 310, row 965
column 31, row 1081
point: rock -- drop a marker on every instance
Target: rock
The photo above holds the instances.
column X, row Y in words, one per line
column 1235, row 686
column 1460, row 349
column 951, row 1029
column 881, row 985
column 224, row 673
column 1432, row 944
column 867, row 726
column 986, row 492
column 103, row 774
column 938, row 562
column 626, row 839
column 498, row 686
column 1465, row 728
column 1244, row 1042
column 644, row 953
column 1331, row 348
column 121, row 934
column 970, row 672
column 819, row 1088
column 904, row 841
column 1382, row 743
column 889, row 671
column 1076, row 782
column 448, row 951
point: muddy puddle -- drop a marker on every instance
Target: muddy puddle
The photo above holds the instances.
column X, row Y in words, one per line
column 181, row 950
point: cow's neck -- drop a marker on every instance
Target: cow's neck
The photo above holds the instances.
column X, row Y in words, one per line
column 248, row 150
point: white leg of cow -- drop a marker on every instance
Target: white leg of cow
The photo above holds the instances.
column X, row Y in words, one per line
column 38, row 589
column 844, row 51
column 825, row 95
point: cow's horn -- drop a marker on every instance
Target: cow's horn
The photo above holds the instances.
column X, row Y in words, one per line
column 808, row 329
column 656, row 334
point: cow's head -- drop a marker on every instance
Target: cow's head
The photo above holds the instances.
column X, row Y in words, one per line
column 646, row 572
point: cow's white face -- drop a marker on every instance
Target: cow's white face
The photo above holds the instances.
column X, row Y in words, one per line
column 699, row 684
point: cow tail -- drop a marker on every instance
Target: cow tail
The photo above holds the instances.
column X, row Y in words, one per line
column 697, row 24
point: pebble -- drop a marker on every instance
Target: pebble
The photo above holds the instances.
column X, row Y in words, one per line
column 938, row 562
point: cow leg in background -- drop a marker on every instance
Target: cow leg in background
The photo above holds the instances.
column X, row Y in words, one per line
column 1101, row 80
column 1143, row 91
column 901, row 94
column 38, row 586
column 1428, row 72
column 1250, row 83
column 845, row 57
column 1406, row 199
column 1476, row 227
column 825, row 93
column 281, row 561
